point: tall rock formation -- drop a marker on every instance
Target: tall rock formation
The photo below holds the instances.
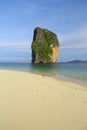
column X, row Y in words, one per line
column 45, row 46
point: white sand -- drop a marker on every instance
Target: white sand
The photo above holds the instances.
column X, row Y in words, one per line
column 34, row 102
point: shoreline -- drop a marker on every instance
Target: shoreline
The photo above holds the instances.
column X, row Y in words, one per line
column 80, row 82
column 72, row 80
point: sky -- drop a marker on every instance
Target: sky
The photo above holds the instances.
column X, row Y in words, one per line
column 19, row 18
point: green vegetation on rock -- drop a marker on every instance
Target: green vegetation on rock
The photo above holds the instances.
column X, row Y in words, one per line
column 50, row 38
column 43, row 52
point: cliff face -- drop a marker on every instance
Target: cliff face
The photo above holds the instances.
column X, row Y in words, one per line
column 45, row 46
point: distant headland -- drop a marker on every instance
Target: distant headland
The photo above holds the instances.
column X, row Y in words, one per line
column 77, row 61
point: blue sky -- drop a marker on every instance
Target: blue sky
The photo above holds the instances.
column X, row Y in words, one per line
column 66, row 18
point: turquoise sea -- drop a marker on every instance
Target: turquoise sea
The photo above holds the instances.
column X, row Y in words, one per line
column 73, row 72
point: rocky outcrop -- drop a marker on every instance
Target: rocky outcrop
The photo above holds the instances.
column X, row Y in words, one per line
column 45, row 46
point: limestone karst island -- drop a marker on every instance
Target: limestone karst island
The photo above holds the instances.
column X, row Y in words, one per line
column 45, row 46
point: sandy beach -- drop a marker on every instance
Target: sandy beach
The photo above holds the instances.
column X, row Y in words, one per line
column 36, row 102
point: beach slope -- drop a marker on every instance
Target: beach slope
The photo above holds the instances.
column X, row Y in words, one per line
column 36, row 102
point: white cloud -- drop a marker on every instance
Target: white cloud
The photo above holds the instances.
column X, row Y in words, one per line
column 75, row 40
column 20, row 59
column 20, row 47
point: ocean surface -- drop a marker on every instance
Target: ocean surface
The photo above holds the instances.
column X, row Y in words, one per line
column 74, row 72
